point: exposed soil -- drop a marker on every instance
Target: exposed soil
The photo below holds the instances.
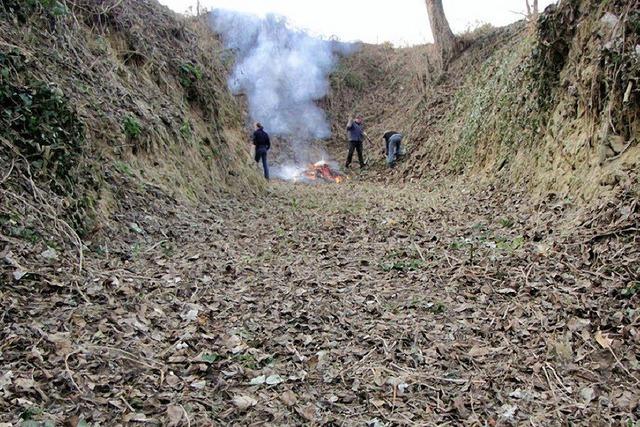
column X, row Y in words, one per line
column 332, row 304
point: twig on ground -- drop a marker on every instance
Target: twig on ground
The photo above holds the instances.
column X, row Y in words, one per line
column 82, row 294
column 419, row 252
column 48, row 210
column 13, row 162
column 186, row 415
column 129, row 356
column 66, row 365
column 553, row 392
column 624, row 368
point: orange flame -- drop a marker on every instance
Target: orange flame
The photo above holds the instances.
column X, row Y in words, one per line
column 321, row 170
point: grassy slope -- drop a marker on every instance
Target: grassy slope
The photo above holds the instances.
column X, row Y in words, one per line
column 540, row 107
column 146, row 88
column 112, row 116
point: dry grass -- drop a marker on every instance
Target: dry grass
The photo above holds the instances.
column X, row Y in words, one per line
column 113, row 61
column 123, row 58
column 488, row 117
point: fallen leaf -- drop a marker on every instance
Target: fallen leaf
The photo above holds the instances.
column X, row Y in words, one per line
column 626, row 400
column 258, row 380
column 50, row 254
column 19, row 274
column 172, row 380
column 378, row 403
column 199, row 385
column 308, row 412
column 603, row 339
column 61, row 341
column 587, row 394
column 139, row 417
column 377, row 378
column 244, row 402
column 477, row 351
column 274, row 379
column 289, row 398
column 462, row 308
column 459, row 404
column 577, row 324
column 174, row 413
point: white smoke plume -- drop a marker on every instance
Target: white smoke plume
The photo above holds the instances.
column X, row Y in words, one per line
column 282, row 71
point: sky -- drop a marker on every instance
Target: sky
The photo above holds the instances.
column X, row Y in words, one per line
column 401, row 22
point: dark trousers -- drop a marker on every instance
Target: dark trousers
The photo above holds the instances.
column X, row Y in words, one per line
column 261, row 154
column 355, row 145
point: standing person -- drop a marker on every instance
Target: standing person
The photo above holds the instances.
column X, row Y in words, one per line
column 263, row 144
column 392, row 146
column 355, row 130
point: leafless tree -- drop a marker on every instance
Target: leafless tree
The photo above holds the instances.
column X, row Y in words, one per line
column 446, row 43
column 532, row 11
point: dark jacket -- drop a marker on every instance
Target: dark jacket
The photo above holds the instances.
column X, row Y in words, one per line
column 355, row 131
column 261, row 139
column 388, row 135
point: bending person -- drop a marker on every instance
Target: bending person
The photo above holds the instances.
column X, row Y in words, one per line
column 393, row 142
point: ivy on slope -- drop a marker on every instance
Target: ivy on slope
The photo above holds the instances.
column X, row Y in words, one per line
column 40, row 126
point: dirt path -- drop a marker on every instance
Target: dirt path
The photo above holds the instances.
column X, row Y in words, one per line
column 339, row 305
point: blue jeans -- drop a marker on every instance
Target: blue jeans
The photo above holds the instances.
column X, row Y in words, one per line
column 393, row 149
column 261, row 154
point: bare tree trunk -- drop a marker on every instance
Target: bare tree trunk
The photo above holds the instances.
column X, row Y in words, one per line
column 532, row 12
column 445, row 41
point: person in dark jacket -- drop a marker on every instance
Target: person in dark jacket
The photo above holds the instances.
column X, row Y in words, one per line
column 392, row 146
column 262, row 144
column 355, row 131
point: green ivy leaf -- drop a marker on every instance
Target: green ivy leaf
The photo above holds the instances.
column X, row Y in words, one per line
column 210, row 358
column 26, row 99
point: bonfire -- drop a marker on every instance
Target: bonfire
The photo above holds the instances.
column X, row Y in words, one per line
column 322, row 171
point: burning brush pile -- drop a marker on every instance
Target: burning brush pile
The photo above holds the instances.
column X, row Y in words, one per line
column 321, row 171
column 318, row 172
